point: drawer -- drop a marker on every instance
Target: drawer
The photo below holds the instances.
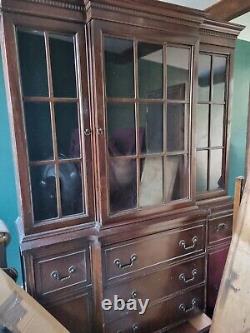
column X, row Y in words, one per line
column 147, row 251
column 157, row 285
column 161, row 315
column 220, row 228
column 61, row 271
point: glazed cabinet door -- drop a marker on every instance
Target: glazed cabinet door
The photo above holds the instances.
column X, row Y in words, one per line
column 48, row 81
column 144, row 105
column 212, row 117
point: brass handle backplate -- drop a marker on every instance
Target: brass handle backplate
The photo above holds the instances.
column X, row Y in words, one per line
column 55, row 275
column 182, row 276
column 184, row 308
column 221, row 227
column 118, row 263
column 182, row 243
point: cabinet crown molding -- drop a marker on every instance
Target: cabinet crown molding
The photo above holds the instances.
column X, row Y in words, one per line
column 75, row 5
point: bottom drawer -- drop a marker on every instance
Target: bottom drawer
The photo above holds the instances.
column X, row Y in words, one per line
column 161, row 315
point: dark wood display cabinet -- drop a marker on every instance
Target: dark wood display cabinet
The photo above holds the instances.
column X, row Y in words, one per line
column 120, row 113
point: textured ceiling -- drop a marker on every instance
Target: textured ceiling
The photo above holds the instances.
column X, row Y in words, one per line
column 198, row 4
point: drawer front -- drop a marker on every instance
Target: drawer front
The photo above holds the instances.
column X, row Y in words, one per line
column 148, row 251
column 220, row 228
column 158, row 284
column 57, row 272
column 161, row 315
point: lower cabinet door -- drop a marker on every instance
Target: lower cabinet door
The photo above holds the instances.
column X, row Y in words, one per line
column 74, row 313
column 216, row 263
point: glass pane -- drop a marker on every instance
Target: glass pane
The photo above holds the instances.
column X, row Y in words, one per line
column 176, row 180
column 71, row 188
column 119, row 65
column 38, row 131
column 122, row 184
column 201, row 171
column 204, row 77
column 175, row 127
column 151, row 128
column 43, row 184
column 151, row 184
column 63, row 65
column 178, row 64
column 217, row 125
column 219, row 78
column 150, row 70
column 67, row 130
column 216, row 179
column 202, row 116
column 33, row 67
column 121, row 129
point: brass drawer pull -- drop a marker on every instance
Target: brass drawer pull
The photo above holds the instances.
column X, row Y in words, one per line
column 134, row 328
column 100, row 131
column 183, row 308
column 118, row 263
column 221, row 227
column 133, row 295
column 55, row 275
column 182, row 243
column 87, row 132
column 182, row 276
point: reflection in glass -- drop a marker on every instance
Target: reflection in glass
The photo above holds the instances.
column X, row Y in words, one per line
column 67, row 130
column 201, row 171
column 175, row 126
column 150, row 70
column 217, row 122
column 151, row 182
column 38, row 131
column 43, row 185
column 121, row 129
column 216, row 179
column 175, row 178
column 71, row 188
column 204, row 77
column 63, row 65
column 122, row 184
column 219, row 78
column 178, row 64
column 33, row 67
column 202, row 116
column 119, row 66
column 151, row 128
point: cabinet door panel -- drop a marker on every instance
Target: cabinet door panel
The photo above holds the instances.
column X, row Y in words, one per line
column 143, row 118
column 51, row 121
column 216, row 263
column 74, row 314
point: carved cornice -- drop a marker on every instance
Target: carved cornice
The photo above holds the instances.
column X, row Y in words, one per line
column 213, row 33
column 59, row 4
column 147, row 9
